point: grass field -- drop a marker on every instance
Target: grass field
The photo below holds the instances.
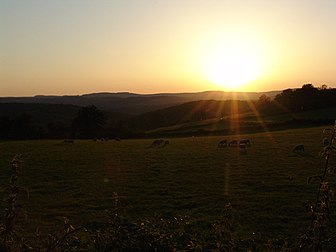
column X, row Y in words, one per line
column 267, row 186
column 250, row 120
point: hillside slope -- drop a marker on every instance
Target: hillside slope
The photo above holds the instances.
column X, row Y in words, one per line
column 187, row 112
column 136, row 104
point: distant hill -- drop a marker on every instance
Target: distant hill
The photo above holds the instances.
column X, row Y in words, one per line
column 135, row 104
column 135, row 115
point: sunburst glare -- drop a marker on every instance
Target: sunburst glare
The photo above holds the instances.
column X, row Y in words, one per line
column 232, row 63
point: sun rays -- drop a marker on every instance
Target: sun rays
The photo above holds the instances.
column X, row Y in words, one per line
column 232, row 60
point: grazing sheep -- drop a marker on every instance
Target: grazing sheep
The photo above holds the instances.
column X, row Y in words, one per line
column 233, row 143
column 68, row 141
column 246, row 142
column 159, row 143
column 222, row 144
column 299, row 147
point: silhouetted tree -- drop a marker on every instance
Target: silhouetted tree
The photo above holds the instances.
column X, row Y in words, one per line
column 5, row 127
column 308, row 86
column 264, row 104
column 19, row 127
column 89, row 122
column 286, row 99
column 323, row 87
column 57, row 130
column 306, row 98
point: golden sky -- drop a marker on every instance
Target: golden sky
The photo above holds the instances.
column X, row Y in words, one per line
column 151, row 46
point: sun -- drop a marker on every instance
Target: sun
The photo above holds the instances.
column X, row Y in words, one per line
column 232, row 64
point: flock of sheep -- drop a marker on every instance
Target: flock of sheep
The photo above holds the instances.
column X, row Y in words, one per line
column 96, row 139
column 242, row 144
column 106, row 139
column 160, row 143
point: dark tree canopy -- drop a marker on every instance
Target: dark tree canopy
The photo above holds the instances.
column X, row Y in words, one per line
column 306, row 98
column 88, row 122
column 19, row 127
column 308, row 86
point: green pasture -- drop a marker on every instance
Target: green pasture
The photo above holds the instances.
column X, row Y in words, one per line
column 266, row 186
column 250, row 119
column 323, row 113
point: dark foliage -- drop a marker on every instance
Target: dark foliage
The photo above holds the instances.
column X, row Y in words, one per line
column 41, row 114
column 89, row 122
column 19, row 127
column 306, row 98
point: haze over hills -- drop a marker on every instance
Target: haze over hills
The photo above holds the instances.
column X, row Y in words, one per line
column 131, row 103
column 135, row 115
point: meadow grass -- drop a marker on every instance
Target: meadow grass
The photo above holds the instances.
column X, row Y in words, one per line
column 250, row 119
column 266, row 186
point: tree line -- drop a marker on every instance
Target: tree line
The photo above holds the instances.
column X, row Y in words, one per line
column 305, row 98
column 90, row 122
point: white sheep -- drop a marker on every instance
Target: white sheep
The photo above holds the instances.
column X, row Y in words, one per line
column 299, row 147
column 222, row 144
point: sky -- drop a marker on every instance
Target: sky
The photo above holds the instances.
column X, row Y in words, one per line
column 153, row 46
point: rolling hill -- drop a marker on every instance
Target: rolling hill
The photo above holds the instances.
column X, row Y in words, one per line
column 195, row 111
column 136, row 104
column 179, row 114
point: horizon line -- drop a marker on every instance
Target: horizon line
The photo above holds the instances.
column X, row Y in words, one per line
column 135, row 93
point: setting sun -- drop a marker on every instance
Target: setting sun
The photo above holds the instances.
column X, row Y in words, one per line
column 231, row 64
column 67, row 47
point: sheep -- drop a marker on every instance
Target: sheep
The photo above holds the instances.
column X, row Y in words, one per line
column 233, row 143
column 68, row 141
column 222, row 144
column 299, row 147
column 245, row 142
column 157, row 143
